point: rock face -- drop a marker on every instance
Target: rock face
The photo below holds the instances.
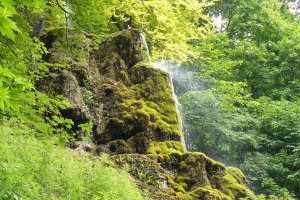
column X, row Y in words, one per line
column 134, row 117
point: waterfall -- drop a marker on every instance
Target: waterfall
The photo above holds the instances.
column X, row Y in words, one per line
column 68, row 7
column 178, row 108
column 147, row 49
column 177, row 104
column 183, row 81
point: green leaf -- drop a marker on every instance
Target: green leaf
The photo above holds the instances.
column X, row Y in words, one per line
column 1, row 104
column 9, row 2
column 14, row 94
column 14, row 105
column 3, row 93
column 38, row 3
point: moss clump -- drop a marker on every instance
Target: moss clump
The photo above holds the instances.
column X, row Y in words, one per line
column 124, row 77
column 147, row 115
column 165, row 148
column 205, row 158
column 182, row 165
column 189, row 159
column 234, row 182
column 183, row 181
column 131, row 110
column 237, row 174
column 176, row 186
column 152, row 86
column 119, row 147
column 57, row 65
column 115, row 89
column 206, row 192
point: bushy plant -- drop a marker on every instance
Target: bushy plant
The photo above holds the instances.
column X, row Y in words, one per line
column 32, row 168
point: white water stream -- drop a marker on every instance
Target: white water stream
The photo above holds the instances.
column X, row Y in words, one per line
column 177, row 104
column 67, row 5
column 178, row 108
column 146, row 45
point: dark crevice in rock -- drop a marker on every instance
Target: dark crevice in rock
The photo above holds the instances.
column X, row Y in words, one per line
column 48, row 39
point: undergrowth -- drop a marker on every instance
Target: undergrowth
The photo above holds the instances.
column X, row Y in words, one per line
column 41, row 168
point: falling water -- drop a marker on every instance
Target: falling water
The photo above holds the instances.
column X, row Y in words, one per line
column 178, row 108
column 68, row 7
column 183, row 81
column 147, row 49
column 177, row 104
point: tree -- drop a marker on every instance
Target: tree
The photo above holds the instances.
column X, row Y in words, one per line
column 167, row 25
column 279, row 137
column 255, row 50
column 216, row 126
column 21, row 66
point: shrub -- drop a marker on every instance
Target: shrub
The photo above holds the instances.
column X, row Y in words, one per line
column 32, row 168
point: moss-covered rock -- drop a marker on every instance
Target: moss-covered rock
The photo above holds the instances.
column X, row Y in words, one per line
column 134, row 116
column 235, row 184
column 165, row 148
column 200, row 178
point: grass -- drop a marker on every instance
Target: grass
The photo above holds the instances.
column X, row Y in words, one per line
column 41, row 168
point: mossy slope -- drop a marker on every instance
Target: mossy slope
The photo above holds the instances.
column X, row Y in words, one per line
column 184, row 176
column 134, row 117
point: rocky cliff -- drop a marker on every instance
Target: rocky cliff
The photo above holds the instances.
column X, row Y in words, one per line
column 133, row 115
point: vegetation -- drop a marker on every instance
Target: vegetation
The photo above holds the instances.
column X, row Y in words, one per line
column 32, row 168
column 165, row 148
column 245, row 114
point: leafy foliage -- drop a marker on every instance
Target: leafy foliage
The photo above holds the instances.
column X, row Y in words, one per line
column 7, row 26
column 166, row 28
column 246, row 114
column 39, row 169
column 220, row 126
column 20, row 67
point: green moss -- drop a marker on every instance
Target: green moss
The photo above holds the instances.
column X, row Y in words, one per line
column 143, row 113
column 124, row 76
column 152, row 86
column 125, row 34
column 57, row 65
column 165, row 148
column 182, row 165
column 202, row 156
column 179, row 195
column 233, row 182
column 189, row 159
column 177, row 187
column 208, row 192
column 237, row 174
column 183, row 181
column 131, row 110
column 148, row 113
column 118, row 90
column 120, row 147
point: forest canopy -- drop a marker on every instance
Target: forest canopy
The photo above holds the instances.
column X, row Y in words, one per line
column 245, row 112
